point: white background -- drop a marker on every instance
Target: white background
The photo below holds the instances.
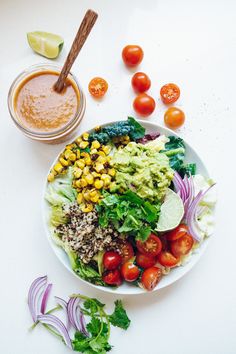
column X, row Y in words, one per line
column 191, row 43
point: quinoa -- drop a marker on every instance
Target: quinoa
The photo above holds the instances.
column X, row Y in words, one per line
column 83, row 234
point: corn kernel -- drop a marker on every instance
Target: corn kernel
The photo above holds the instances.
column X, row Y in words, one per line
column 89, row 178
column 88, row 161
column 106, row 149
column 106, row 179
column 98, row 184
column 80, row 198
column 83, row 182
column 95, row 144
column 80, row 164
column 102, row 159
column 58, row 167
column 98, row 167
column 69, row 146
column 77, row 172
column 72, row 157
column 63, row 161
column 95, row 174
column 95, row 199
column 101, row 153
column 78, row 154
column 112, row 172
column 51, row 177
column 86, row 196
column 93, row 193
column 67, row 153
column 78, row 140
column 83, row 144
column 85, row 136
column 86, row 170
column 78, row 183
column 85, row 154
column 93, row 151
column 97, row 128
column 87, row 208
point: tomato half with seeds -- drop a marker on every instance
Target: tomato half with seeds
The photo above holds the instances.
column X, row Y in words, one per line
column 151, row 247
column 178, row 232
column 126, row 250
column 181, row 246
column 112, row 277
column 167, row 259
column 169, row 93
column 129, row 271
column 145, row 261
column 151, row 277
column 98, row 87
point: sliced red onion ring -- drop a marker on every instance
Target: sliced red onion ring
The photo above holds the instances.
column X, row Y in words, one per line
column 63, row 304
column 45, row 298
column 73, row 309
column 58, row 325
column 34, row 294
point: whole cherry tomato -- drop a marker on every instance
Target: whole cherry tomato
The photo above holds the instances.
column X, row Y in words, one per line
column 145, row 261
column 144, row 104
column 129, row 271
column 140, row 82
column 111, row 260
column 112, row 277
column 174, row 117
column 132, row 55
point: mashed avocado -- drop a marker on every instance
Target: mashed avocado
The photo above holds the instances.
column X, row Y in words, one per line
column 143, row 170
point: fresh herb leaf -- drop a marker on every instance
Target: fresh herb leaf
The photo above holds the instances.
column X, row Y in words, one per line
column 94, row 326
column 119, row 317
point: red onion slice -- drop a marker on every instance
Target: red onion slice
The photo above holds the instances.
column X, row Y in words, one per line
column 73, row 308
column 45, row 298
column 63, row 304
column 34, row 294
column 55, row 322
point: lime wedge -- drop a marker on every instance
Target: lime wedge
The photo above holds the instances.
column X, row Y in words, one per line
column 47, row 44
column 172, row 212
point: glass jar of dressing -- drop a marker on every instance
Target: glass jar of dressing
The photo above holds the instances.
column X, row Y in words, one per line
column 39, row 111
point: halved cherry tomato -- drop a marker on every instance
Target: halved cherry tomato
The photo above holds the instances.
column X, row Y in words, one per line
column 132, row 55
column 167, row 259
column 140, row 82
column 111, row 260
column 180, row 231
column 129, row 271
column 145, row 261
column 151, row 247
column 174, row 117
column 181, row 246
column 98, row 87
column 151, row 277
column 112, row 277
column 127, row 251
column 169, row 93
column 144, row 104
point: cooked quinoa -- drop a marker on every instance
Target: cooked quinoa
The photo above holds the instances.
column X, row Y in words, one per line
column 83, row 234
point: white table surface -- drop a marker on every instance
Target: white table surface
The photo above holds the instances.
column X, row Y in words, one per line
column 191, row 43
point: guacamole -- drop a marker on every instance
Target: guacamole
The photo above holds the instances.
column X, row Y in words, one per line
column 143, row 170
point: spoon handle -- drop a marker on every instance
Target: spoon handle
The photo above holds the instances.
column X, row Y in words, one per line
column 80, row 38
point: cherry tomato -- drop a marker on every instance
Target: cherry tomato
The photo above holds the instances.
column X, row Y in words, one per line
column 151, row 247
column 140, row 82
column 132, row 55
column 181, row 246
column 144, row 104
column 145, row 261
column 180, row 231
column 112, row 277
column 151, row 277
column 129, row 271
column 167, row 259
column 169, row 93
column 127, row 251
column 111, row 260
column 98, row 87
column 174, row 117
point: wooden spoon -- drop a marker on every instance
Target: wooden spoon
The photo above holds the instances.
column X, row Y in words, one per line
column 80, row 38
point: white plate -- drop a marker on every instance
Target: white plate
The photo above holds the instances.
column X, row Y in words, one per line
column 176, row 273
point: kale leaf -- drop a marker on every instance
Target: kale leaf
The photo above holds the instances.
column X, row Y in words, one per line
column 119, row 317
column 129, row 127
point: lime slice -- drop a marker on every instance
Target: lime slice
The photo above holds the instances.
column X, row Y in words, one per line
column 172, row 212
column 47, row 44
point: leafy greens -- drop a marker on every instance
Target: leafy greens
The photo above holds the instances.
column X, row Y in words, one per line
column 175, row 150
column 129, row 214
column 129, row 127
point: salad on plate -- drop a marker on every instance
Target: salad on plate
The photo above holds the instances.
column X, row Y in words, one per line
column 126, row 207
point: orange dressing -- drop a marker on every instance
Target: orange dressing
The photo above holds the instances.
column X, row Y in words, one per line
column 40, row 108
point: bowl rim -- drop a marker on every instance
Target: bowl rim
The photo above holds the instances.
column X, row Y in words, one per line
column 119, row 291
